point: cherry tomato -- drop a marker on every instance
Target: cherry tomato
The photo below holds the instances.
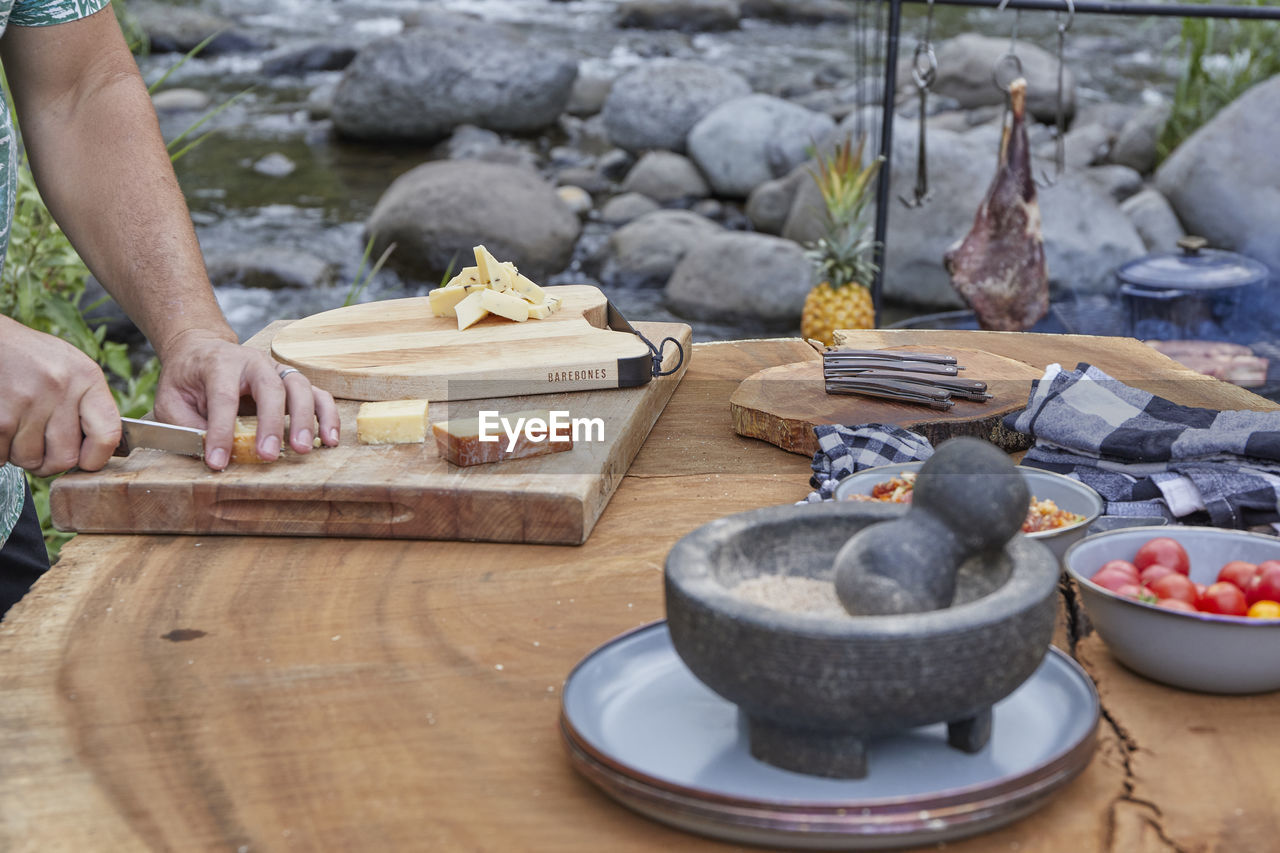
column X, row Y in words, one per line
column 1122, row 565
column 1225, row 598
column 1239, row 573
column 1113, row 578
column 1266, row 586
column 1176, row 604
column 1166, row 552
column 1265, row 610
column 1174, row 585
column 1153, row 573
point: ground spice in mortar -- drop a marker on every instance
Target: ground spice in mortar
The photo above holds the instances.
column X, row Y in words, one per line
column 791, row 593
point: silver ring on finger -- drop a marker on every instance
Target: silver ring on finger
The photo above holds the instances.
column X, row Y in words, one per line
column 287, row 371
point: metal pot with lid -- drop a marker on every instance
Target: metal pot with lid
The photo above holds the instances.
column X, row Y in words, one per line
column 1196, row 293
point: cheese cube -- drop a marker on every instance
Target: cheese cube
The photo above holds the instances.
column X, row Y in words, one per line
column 469, row 311
column 458, row 440
column 244, row 441
column 505, row 305
column 443, row 300
column 392, row 422
column 546, row 309
column 529, row 290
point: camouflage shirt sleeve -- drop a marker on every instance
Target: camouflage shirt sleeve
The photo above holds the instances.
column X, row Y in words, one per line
column 42, row 13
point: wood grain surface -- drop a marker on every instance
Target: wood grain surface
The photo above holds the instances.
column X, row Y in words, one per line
column 265, row 693
column 397, row 349
column 782, row 405
column 399, row 491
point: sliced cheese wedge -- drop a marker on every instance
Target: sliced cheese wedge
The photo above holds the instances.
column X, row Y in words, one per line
column 530, row 291
column 504, row 305
column 470, row 310
column 392, row 422
column 443, row 300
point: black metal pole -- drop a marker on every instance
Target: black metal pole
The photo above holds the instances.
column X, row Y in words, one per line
column 886, row 146
column 1092, row 7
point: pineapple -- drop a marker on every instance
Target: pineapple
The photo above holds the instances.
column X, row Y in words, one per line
column 842, row 256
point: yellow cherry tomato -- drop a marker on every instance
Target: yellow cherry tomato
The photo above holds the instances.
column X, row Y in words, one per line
column 1265, row 609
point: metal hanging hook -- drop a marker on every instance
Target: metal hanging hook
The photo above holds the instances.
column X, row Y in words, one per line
column 924, row 71
column 1060, row 129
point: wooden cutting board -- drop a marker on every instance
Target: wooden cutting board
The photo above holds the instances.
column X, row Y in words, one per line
column 782, row 405
column 397, row 349
column 402, row 491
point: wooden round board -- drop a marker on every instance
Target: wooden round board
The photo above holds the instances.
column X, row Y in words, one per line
column 782, row 405
column 397, row 349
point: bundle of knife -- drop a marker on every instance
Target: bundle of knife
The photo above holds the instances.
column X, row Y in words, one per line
column 911, row 377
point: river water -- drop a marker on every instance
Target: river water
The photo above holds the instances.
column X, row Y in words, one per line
column 320, row 207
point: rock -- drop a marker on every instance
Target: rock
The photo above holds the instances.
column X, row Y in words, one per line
column 690, row 16
column 179, row 29
column 1119, row 182
column 964, row 73
column 799, row 11
column 749, row 279
column 1110, row 115
column 1081, row 147
column 270, row 269
column 747, row 141
column 627, row 207
column 1222, row 180
column 644, row 252
column 575, row 198
column 770, row 203
column 1135, row 144
column 615, row 164
column 313, row 57
column 469, row 142
column 435, row 213
column 275, row 165
column 175, row 100
column 588, row 179
column 589, row 91
column 320, row 101
column 666, row 177
column 588, row 134
column 1086, row 236
column 417, row 86
column 656, row 104
column 1154, row 219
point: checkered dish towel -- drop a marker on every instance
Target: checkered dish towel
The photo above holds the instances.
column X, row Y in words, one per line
column 845, row 449
column 1148, row 456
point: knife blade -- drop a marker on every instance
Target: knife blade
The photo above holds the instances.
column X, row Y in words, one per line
column 157, row 436
column 936, row 398
column 835, row 367
column 898, row 355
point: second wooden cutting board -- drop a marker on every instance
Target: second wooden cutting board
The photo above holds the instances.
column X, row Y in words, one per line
column 782, row 405
column 397, row 349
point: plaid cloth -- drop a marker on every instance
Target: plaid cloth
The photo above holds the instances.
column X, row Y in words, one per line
column 843, row 450
column 1148, row 456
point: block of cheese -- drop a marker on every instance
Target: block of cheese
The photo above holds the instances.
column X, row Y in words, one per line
column 543, row 311
column 505, row 305
column 530, row 291
column 392, row 422
column 244, row 441
column 516, row 435
column 470, row 311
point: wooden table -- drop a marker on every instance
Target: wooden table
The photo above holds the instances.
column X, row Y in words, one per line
column 228, row 693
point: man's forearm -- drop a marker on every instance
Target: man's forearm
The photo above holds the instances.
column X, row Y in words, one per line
column 101, row 166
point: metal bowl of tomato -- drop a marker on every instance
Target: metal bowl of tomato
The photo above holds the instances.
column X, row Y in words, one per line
column 1062, row 506
column 1184, row 620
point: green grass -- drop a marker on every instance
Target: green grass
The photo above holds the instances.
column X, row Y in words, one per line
column 1221, row 60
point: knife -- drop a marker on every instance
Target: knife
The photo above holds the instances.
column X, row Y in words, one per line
column 898, row 355
column 157, row 436
column 836, row 367
column 921, row 395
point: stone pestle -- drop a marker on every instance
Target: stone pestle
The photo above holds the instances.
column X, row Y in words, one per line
column 968, row 499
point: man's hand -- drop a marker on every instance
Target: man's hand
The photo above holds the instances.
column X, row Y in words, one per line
column 56, row 411
column 205, row 376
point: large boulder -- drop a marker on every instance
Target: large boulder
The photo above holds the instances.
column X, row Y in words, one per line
column 180, row 29
column 1135, row 143
column 801, row 11
column 1222, row 180
column 1153, row 217
column 744, row 278
column 645, row 252
column 1086, row 235
column 691, row 16
column 665, row 176
column 656, row 104
column 436, row 212
column 744, row 142
column 769, row 204
column 418, row 86
column 965, row 66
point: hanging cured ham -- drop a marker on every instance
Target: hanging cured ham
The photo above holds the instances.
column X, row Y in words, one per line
column 999, row 268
